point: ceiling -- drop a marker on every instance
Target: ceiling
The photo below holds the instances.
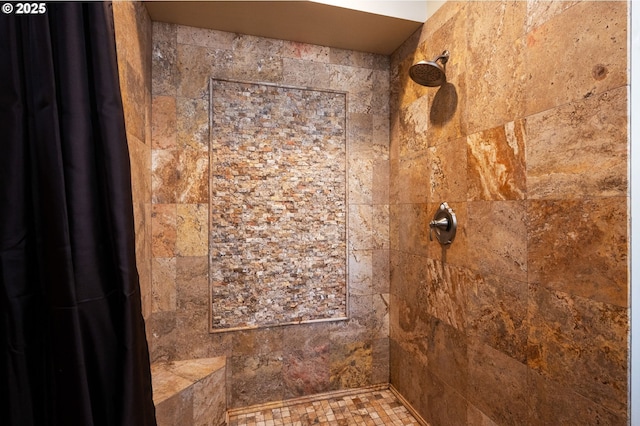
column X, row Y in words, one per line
column 302, row 21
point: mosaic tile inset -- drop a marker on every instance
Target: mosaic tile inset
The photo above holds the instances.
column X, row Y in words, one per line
column 278, row 205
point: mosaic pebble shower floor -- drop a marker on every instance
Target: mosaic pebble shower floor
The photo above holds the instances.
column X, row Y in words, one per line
column 374, row 407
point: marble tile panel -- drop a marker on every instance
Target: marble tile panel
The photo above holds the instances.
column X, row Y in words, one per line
column 192, row 283
column 446, row 291
column 195, row 65
column 497, row 238
column 408, row 375
column 350, row 364
column 441, row 404
column 192, row 124
column 360, row 135
column 380, row 92
column 163, row 125
column 447, row 355
column 380, row 360
column 413, row 127
column 360, row 176
column 360, row 227
column 380, row 135
column 179, row 176
column 163, row 284
column 204, row 37
column 551, row 403
column 133, row 90
column 358, row 82
column 476, row 417
column 254, row 379
column 581, row 344
column 259, row 341
column 161, row 328
column 380, row 316
column 163, row 227
column 446, row 170
column 593, row 55
column 192, row 230
column 257, row 59
column 497, row 313
column 380, row 272
column 380, row 235
column 580, row 247
column 306, row 52
column 306, row 361
column 497, row 384
column 380, row 193
column 304, row 73
column 360, row 272
column 540, row 11
column 164, row 57
column 579, row 149
column 413, row 235
column 496, row 64
column 413, row 179
column 496, row 163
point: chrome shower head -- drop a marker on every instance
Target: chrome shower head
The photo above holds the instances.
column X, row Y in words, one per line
column 430, row 73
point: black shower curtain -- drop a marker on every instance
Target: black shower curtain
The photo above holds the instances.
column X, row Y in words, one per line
column 72, row 334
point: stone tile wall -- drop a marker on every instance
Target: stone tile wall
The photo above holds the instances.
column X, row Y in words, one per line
column 279, row 362
column 524, row 318
column 133, row 44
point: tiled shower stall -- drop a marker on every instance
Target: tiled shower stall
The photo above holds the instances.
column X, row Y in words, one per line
column 522, row 320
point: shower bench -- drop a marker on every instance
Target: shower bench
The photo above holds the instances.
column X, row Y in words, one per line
column 190, row 392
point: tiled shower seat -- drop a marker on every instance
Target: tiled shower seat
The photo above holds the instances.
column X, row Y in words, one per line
column 190, row 392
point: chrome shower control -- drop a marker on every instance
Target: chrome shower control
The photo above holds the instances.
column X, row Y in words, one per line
column 444, row 224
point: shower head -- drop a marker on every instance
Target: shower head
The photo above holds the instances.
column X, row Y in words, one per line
column 430, row 73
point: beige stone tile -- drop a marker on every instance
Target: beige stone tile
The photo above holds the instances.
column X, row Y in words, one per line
column 204, row 37
column 166, row 383
column 180, row 176
column 447, row 171
column 306, row 52
column 209, row 400
column 446, row 290
column 163, row 284
column 551, row 403
column 565, row 143
column 497, row 384
column 358, row 83
column 360, row 272
column 497, row 238
column 351, row 364
column 192, row 124
column 304, row 73
column 591, row 58
column 163, row 122
column 412, row 232
column 497, row 313
column 581, row 344
column 413, row 180
column 496, row 163
column 163, row 225
column 195, row 65
column 495, row 64
column 192, row 230
column 540, row 11
column 164, row 58
column 192, row 283
column 580, row 247
column 360, row 171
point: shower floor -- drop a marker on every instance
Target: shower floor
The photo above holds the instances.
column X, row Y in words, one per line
column 368, row 407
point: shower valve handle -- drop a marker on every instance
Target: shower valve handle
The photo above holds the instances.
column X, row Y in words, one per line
column 442, row 223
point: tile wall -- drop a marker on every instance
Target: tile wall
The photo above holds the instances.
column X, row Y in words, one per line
column 524, row 318
column 279, row 362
